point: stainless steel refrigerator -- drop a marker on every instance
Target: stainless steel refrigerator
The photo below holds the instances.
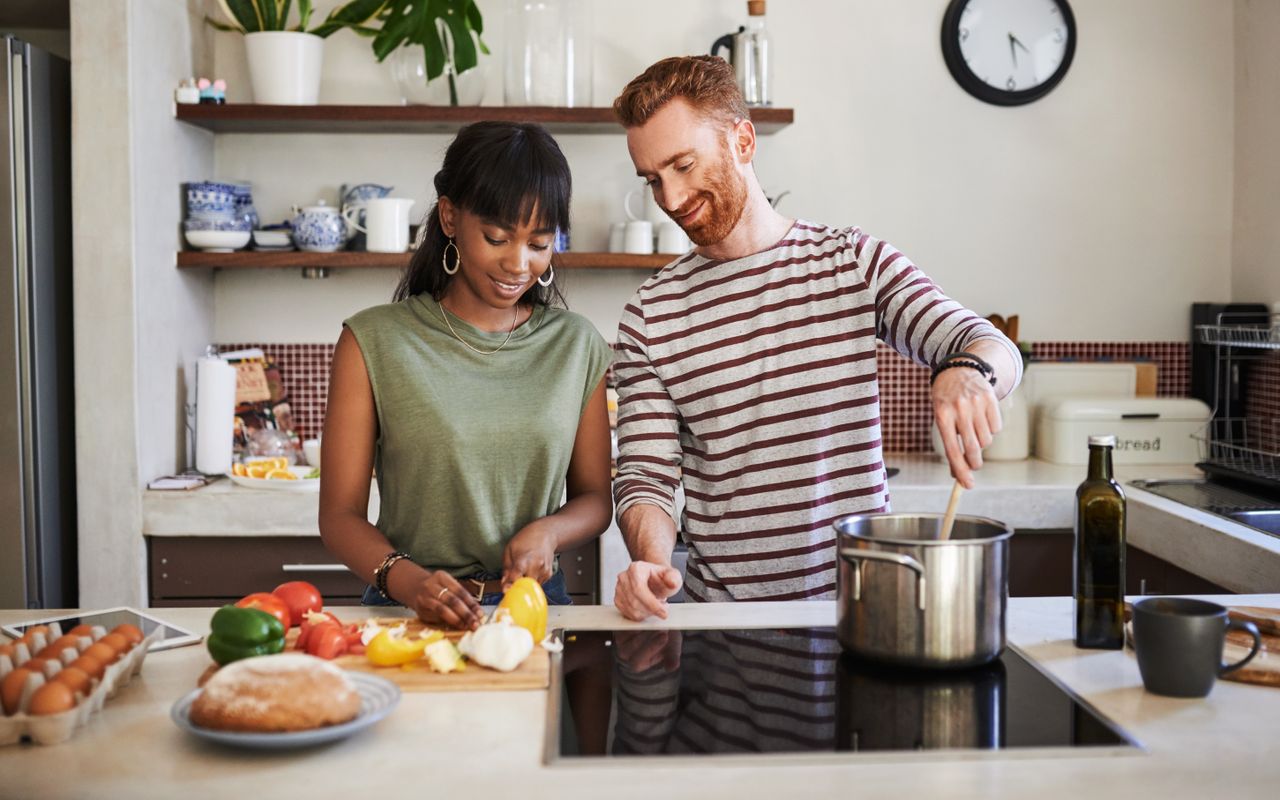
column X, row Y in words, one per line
column 37, row 409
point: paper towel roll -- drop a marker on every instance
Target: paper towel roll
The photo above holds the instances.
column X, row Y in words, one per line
column 215, row 414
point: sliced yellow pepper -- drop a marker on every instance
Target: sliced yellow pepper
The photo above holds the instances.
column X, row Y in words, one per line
column 386, row 650
column 527, row 604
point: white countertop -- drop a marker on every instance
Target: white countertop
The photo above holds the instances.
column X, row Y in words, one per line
column 490, row 744
column 1029, row 495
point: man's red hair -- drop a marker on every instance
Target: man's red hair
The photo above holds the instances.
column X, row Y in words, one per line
column 705, row 82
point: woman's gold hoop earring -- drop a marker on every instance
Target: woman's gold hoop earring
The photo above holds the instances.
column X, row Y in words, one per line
column 444, row 259
column 550, row 275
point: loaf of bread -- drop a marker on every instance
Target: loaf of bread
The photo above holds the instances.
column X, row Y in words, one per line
column 274, row 694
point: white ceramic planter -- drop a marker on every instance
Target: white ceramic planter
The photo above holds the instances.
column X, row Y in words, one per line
column 284, row 67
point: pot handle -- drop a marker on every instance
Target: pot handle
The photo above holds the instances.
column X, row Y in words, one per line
column 856, row 557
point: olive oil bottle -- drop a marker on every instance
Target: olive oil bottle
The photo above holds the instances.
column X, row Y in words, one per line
column 1099, row 557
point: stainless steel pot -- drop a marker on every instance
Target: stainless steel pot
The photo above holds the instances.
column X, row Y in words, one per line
column 906, row 597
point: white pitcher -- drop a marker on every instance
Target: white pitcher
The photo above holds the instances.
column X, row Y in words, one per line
column 386, row 222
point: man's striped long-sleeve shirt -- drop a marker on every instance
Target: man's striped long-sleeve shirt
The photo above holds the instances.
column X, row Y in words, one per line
column 753, row 382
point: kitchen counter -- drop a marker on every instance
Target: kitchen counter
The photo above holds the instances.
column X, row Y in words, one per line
column 1029, row 495
column 490, row 744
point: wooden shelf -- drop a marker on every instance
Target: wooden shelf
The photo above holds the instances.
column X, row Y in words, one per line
column 253, row 118
column 295, row 259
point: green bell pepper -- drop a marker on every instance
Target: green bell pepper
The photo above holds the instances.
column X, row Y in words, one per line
column 237, row 633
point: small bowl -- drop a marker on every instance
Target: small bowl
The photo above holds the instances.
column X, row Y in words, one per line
column 217, row 241
column 280, row 239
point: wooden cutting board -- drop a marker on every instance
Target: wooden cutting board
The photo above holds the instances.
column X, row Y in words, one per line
column 1264, row 669
column 534, row 673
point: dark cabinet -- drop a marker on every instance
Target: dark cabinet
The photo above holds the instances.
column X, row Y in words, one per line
column 1040, row 565
column 214, row 570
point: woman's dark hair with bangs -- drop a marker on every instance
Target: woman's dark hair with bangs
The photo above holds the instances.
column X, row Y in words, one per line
column 503, row 171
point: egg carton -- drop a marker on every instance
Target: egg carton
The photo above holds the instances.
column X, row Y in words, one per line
column 58, row 728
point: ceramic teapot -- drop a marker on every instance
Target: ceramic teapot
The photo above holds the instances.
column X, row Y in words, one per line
column 318, row 228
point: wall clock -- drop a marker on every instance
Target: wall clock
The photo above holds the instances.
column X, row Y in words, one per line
column 1008, row 52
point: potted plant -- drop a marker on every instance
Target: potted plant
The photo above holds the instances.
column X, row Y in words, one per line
column 447, row 31
column 284, row 62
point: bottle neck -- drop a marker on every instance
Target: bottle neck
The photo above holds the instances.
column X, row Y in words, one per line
column 1099, row 463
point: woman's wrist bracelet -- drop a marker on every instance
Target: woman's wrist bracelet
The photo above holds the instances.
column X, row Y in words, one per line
column 380, row 572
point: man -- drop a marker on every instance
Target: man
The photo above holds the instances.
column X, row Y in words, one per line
column 746, row 369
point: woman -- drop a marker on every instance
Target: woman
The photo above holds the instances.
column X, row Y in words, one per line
column 479, row 404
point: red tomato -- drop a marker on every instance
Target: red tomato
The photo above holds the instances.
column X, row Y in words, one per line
column 300, row 597
column 266, row 602
column 326, row 641
column 311, row 623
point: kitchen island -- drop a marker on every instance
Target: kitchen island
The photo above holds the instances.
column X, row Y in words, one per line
column 491, row 744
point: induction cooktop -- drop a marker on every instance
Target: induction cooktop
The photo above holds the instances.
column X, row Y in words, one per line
column 630, row 694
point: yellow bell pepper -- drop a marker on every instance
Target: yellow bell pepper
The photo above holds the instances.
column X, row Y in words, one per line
column 386, row 650
column 527, row 605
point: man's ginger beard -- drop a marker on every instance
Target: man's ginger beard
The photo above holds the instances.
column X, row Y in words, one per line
column 726, row 197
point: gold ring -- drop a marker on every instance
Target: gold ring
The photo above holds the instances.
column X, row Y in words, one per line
column 442, row 592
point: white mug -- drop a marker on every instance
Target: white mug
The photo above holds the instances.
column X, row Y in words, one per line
column 672, row 239
column 639, row 237
column 386, row 222
column 617, row 237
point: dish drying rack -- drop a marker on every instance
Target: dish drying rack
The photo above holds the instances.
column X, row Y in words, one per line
column 1241, row 448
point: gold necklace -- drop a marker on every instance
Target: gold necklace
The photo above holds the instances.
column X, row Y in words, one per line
column 444, row 312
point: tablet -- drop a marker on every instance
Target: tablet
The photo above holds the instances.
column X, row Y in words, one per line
column 172, row 636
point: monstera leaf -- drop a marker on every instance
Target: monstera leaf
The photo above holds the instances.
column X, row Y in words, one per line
column 407, row 23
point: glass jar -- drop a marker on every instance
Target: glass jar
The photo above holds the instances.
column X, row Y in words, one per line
column 409, row 69
column 548, row 53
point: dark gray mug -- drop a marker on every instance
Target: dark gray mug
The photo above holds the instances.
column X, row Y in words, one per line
column 1179, row 643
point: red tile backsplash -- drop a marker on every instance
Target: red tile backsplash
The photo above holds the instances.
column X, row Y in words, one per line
column 904, row 385
column 305, row 371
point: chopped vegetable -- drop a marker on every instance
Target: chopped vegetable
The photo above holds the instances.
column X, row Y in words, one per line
column 444, row 657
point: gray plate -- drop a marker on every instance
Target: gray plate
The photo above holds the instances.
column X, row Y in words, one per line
column 378, row 696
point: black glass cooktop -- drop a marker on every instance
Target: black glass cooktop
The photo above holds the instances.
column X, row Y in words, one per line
column 646, row 693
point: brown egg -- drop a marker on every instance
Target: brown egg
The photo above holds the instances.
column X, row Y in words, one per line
column 117, row 642
column 30, row 633
column 76, row 679
column 102, row 652
column 56, row 647
column 95, row 667
column 37, row 664
column 131, row 632
column 81, row 630
column 11, row 689
column 52, row 698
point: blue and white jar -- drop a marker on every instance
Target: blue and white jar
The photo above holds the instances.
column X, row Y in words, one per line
column 242, row 191
column 210, row 200
column 319, row 229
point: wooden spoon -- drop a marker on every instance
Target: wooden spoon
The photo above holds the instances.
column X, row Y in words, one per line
column 949, row 518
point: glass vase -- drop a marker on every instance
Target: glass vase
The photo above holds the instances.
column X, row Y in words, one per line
column 409, row 69
column 547, row 58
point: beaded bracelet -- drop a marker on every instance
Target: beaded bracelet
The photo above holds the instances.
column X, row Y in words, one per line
column 380, row 572
column 964, row 360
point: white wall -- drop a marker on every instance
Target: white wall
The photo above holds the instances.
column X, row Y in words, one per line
column 1098, row 212
column 1256, row 250
column 139, row 322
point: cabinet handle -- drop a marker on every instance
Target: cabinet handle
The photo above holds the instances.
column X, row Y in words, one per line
column 314, row 568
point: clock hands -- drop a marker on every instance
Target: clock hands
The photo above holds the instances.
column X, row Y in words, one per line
column 1014, row 43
